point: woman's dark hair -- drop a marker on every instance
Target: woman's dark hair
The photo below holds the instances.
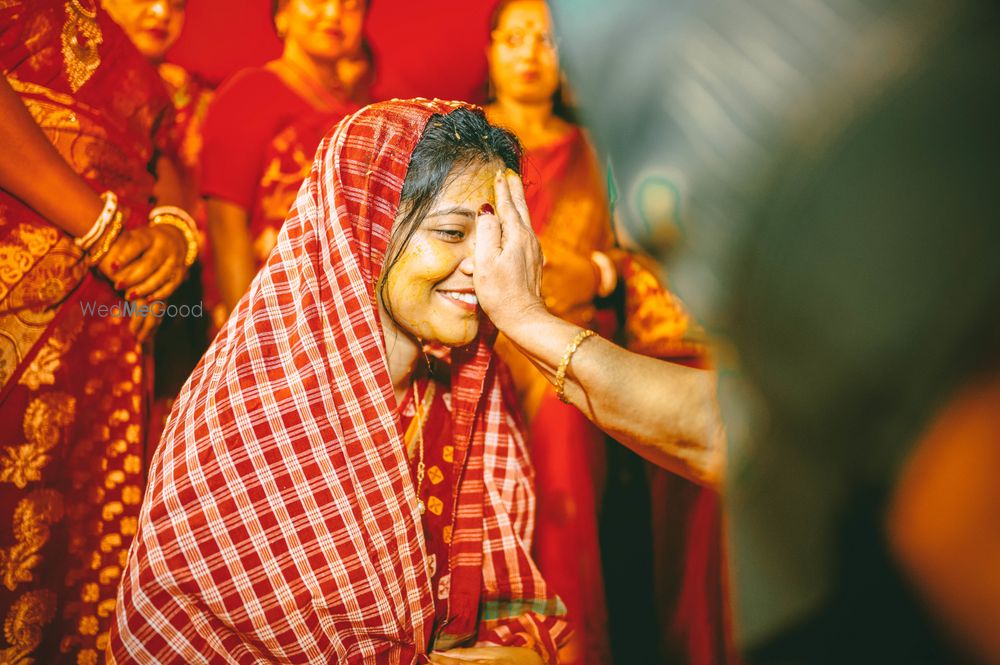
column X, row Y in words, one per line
column 450, row 143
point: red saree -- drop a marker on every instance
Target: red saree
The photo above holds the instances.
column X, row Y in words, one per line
column 287, row 161
column 281, row 521
column 567, row 207
column 73, row 384
column 565, row 195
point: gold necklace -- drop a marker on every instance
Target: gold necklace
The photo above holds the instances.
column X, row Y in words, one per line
column 81, row 36
column 419, row 420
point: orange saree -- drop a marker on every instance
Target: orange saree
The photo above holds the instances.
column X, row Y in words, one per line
column 73, row 380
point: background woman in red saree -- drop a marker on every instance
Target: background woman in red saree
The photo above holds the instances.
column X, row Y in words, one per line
column 73, row 383
column 258, row 103
column 289, row 156
column 570, row 213
column 290, row 514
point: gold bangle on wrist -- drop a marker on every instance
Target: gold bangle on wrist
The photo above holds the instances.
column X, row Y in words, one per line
column 104, row 242
column 174, row 211
column 100, row 225
column 564, row 363
column 181, row 221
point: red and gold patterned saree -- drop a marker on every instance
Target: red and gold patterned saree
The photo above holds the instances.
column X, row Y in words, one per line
column 72, row 382
column 281, row 520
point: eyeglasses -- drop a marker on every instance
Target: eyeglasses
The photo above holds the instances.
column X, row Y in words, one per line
column 515, row 39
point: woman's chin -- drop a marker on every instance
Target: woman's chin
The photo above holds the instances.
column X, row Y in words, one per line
column 457, row 338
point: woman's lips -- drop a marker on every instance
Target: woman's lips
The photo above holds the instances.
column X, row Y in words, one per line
column 333, row 33
column 158, row 34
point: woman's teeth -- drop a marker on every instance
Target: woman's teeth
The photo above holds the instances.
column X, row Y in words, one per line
column 469, row 298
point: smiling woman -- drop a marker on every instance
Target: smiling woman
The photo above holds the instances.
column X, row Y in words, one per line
column 425, row 293
column 323, row 492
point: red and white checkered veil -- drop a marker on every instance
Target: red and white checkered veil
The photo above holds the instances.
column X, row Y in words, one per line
column 280, row 521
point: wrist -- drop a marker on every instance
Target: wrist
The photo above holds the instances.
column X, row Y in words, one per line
column 527, row 319
column 184, row 230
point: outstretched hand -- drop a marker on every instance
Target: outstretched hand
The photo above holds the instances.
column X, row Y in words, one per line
column 508, row 271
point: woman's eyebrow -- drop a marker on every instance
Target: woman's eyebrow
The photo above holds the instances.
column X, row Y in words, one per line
column 457, row 210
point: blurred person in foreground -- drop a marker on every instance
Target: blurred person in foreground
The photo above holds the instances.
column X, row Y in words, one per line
column 79, row 108
column 322, row 39
column 830, row 168
column 585, row 278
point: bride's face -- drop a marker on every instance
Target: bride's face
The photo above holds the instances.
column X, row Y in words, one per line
column 428, row 291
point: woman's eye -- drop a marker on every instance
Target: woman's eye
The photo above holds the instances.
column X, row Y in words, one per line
column 451, row 235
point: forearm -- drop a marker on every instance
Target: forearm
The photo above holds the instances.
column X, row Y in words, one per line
column 33, row 170
column 232, row 249
column 170, row 189
column 666, row 413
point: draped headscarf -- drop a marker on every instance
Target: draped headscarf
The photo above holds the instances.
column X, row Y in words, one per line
column 280, row 521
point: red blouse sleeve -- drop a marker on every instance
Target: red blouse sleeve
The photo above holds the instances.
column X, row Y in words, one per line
column 240, row 122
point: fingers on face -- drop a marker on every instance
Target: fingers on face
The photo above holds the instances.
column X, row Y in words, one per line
column 488, row 237
column 512, row 209
column 505, row 204
column 516, row 189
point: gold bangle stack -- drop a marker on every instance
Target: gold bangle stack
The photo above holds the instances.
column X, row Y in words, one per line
column 100, row 225
column 104, row 242
column 183, row 222
column 564, row 363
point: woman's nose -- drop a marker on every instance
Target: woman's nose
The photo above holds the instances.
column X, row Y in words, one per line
column 468, row 262
column 332, row 10
column 159, row 9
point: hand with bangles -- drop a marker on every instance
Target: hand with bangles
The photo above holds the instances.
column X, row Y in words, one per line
column 147, row 263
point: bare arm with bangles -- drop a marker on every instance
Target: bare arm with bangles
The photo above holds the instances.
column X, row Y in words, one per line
column 146, row 263
column 666, row 413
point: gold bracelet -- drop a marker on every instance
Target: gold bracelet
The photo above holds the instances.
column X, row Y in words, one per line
column 176, row 212
column 105, row 242
column 100, row 225
column 182, row 225
column 108, row 239
column 564, row 363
